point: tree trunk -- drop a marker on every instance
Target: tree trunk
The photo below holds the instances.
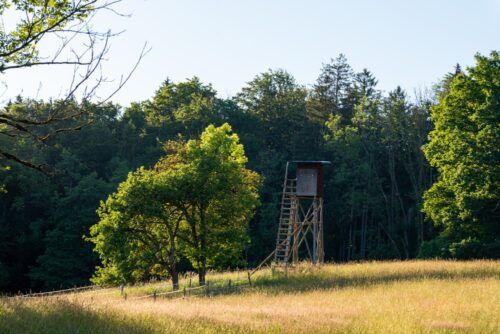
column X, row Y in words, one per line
column 342, row 244
column 202, row 263
column 364, row 223
column 172, row 263
column 202, row 271
column 175, row 279
column 349, row 243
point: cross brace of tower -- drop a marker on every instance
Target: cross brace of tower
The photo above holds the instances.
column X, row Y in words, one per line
column 300, row 227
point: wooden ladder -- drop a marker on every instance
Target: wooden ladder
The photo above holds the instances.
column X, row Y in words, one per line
column 285, row 227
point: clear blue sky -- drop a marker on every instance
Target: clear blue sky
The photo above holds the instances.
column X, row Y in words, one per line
column 228, row 42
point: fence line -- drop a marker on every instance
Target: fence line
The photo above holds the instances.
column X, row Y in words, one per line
column 186, row 291
column 56, row 292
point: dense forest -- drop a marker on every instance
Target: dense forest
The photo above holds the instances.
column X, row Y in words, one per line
column 374, row 196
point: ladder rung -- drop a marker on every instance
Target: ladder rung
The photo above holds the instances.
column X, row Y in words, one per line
column 287, row 214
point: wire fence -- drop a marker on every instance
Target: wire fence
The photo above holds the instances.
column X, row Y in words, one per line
column 208, row 289
column 81, row 289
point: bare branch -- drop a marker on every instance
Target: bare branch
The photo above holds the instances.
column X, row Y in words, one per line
column 46, row 63
column 145, row 50
column 85, row 56
column 25, row 163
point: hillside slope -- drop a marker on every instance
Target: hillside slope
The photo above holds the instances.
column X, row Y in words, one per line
column 375, row 297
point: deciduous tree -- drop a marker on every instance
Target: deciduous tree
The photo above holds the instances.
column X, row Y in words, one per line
column 465, row 149
column 137, row 232
column 217, row 196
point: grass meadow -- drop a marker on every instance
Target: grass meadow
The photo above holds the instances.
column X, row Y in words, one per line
column 370, row 297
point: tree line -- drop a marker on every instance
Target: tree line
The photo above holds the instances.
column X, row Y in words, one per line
column 387, row 150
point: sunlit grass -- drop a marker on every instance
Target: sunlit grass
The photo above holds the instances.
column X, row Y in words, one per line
column 378, row 297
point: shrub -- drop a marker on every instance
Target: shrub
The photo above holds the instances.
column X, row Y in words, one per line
column 435, row 248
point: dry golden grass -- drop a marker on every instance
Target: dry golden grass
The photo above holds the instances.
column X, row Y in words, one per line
column 378, row 297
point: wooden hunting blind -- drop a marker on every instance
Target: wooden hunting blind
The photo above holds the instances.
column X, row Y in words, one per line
column 310, row 178
column 301, row 215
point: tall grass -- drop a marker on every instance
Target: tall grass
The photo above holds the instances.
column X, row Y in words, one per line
column 378, row 297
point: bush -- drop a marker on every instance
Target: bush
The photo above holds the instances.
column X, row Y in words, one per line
column 493, row 249
column 465, row 249
column 435, row 248
column 470, row 248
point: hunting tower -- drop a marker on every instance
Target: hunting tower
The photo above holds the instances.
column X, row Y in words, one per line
column 301, row 215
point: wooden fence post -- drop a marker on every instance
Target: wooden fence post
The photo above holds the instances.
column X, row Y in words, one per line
column 189, row 282
column 249, row 279
column 229, row 284
column 154, row 296
column 184, row 292
column 122, row 287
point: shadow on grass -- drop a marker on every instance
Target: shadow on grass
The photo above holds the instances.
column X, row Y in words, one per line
column 307, row 280
column 63, row 316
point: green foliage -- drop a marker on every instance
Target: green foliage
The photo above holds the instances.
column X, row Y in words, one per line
column 195, row 203
column 470, row 248
column 43, row 219
column 379, row 170
column 373, row 190
column 435, row 248
column 3, row 169
column 68, row 260
column 219, row 195
column 279, row 103
column 473, row 248
column 20, row 45
column 331, row 93
column 186, row 107
column 273, row 126
column 465, row 149
column 135, row 232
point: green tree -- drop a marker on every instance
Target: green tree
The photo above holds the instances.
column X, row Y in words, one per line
column 195, row 203
column 329, row 95
column 217, row 196
column 279, row 103
column 42, row 220
column 186, row 107
column 68, row 260
column 137, row 231
column 354, row 149
column 465, row 149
